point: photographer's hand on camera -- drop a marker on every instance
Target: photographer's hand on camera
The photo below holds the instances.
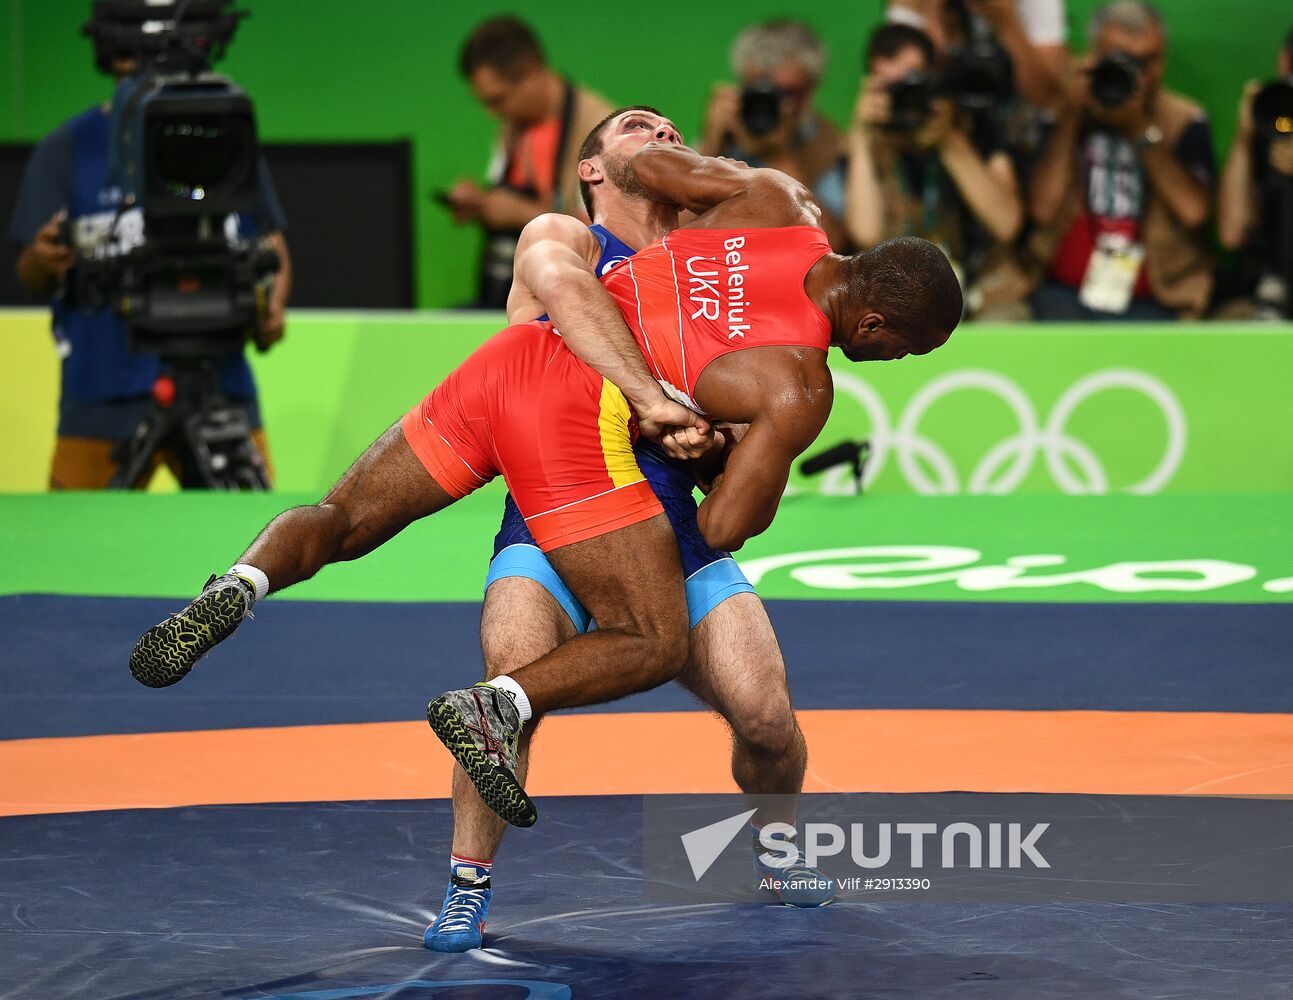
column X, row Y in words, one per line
column 874, row 107
column 45, row 261
column 723, row 120
column 938, row 127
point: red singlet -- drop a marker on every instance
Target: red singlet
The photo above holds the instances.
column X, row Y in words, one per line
column 701, row 293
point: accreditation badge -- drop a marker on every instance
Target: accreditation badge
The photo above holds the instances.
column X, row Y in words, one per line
column 1111, row 274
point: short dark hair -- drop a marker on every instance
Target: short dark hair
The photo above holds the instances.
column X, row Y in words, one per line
column 506, row 44
column 592, row 145
column 912, row 283
column 890, row 39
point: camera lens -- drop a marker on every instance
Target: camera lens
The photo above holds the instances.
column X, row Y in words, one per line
column 199, row 156
column 1114, row 79
column 909, row 101
column 761, row 107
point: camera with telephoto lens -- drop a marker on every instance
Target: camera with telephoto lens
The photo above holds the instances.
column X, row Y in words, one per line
column 1114, row 79
column 1273, row 109
column 977, row 75
column 761, row 107
column 184, row 155
column 911, row 101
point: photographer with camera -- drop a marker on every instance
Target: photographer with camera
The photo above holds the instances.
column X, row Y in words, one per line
column 1032, row 32
column 1255, row 197
column 914, row 168
column 769, row 119
column 1122, row 194
column 71, row 217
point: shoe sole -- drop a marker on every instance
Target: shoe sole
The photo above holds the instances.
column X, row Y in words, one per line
column 167, row 652
column 497, row 786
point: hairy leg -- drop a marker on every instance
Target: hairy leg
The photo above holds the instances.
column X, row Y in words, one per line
column 519, row 623
column 630, row 581
column 385, row 491
column 736, row 668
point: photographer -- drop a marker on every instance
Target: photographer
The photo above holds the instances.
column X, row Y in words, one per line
column 913, row 166
column 1255, row 197
column 1031, row 31
column 535, row 165
column 1122, row 194
column 770, row 120
column 67, row 210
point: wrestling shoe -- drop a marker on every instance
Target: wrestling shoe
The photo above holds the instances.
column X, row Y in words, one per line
column 796, row 885
column 461, row 921
column 168, row 651
column 481, row 727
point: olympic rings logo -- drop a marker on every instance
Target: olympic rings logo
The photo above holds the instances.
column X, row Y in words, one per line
column 1072, row 463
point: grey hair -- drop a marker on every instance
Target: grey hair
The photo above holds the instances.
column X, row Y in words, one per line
column 764, row 47
column 1133, row 16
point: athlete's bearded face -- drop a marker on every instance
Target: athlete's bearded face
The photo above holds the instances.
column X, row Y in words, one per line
column 625, row 136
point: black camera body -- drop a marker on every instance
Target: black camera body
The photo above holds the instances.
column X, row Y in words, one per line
column 761, row 107
column 1273, row 109
column 911, row 101
column 979, row 75
column 184, row 154
column 1114, row 79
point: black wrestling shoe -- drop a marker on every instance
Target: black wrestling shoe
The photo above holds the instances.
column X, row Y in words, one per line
column 168, row 651
column 481, row 727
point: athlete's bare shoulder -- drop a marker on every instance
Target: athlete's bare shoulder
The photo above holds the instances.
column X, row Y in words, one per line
column 566, row 230
column 547, row 242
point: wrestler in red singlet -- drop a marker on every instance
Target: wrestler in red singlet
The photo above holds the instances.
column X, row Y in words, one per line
column 522, row 405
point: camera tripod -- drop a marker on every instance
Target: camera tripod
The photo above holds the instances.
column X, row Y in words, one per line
column 209, row 435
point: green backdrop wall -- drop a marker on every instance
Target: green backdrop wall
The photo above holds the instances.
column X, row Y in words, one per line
column 336, row 70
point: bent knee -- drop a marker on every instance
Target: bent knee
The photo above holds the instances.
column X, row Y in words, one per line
column 769, row 730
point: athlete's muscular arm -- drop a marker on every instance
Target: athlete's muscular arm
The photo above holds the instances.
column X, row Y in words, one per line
column 681, row 176
column 553, row 273
column 792, row 396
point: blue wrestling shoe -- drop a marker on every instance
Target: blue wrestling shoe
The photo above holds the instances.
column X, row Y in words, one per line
column 461, row 922
column 796, row 885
